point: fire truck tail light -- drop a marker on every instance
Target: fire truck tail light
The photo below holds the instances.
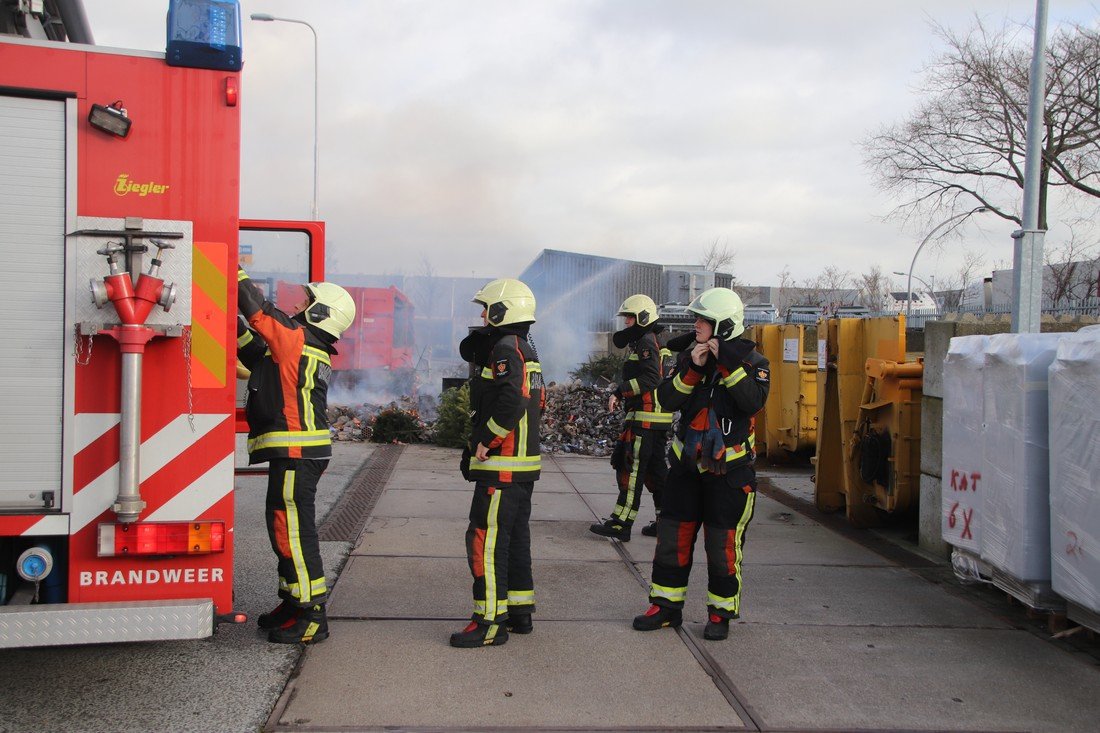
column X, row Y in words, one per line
column 161, row 538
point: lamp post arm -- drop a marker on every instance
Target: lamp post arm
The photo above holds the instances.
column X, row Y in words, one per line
column 941, row 225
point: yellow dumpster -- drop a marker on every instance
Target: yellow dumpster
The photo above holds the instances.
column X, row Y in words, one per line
column 790, row 415
column 854, row 409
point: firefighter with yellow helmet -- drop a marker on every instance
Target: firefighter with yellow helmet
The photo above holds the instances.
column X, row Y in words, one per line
column 506, row 400
column 719, row 384
column 289, row 360
column 639, row 455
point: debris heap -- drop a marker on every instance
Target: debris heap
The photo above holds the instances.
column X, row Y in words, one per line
column 576, row 420
column 356, row 422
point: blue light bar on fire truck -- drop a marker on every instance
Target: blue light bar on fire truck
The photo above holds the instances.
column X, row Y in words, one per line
column 161, row 538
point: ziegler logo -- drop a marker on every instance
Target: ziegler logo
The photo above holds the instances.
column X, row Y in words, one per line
column 124, row 186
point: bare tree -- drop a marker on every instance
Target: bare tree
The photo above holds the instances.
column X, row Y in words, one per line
column 971, row 269
column 1071, row 270
column 718, row 257
column 872, row 288
column 829, row 288
column 963, row 146
column 785, row 293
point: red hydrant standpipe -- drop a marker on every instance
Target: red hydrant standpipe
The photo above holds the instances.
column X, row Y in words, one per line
column 132, row 335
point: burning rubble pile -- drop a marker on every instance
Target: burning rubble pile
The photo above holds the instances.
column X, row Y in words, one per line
column 357, row 423
column 576, row 420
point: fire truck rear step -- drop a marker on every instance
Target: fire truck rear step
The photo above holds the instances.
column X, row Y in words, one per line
column 67, row 624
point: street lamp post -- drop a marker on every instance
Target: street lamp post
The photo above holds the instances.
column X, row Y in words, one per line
column 941, row 225
column 267, row 17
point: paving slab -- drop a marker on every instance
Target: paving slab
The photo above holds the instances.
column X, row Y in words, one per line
column 581, row 464
column 429, row 481
column 837, row 596
column 423, row 503
column 403, row 674
column 778, row 544
column 406, row 587
column 811, row 677
column 420, row 537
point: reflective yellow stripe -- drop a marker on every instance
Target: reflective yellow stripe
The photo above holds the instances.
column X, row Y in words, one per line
column 735, row 376
column 491, row 532
column 534, row 366
column 734, row 604
column 244, row 339
column 632, row 357
column 672, row 594
column 509, row 463
column 309, row 418
column 300, row 439
column 496, row 429
column 479, row 607
column 294, row 537
column 318, row 354
column 241, row 275
column 521, row 597
column 634, row 386
column 625, row 512
column 658, row 417
column 725, row 604
column 486, row 373
column 732, row 455
column 680, row 386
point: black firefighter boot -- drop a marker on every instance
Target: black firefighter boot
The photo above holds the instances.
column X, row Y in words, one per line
column 310, row 627
column 519, row 623
column 282, row 615
column 717, row 628
column 658, row 617
column 650, row 530
column 480, row 634
column 616, row 529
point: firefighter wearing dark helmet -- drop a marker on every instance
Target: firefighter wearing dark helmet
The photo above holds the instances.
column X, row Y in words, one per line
column 506, row 399
column 719, row 384
column 639, row 455
column 289, row 360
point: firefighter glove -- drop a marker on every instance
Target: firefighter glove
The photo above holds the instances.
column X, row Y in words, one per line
column 464, row 464
column 713, row 447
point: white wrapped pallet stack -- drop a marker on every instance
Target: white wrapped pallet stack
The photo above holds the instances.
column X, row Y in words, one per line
column 1075, row 475
column 961, row 499
column 1015, row 536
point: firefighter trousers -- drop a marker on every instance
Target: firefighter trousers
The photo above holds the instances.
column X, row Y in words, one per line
column 723, row 505
column 498, row 548
column 292, row 529
column 644, row 465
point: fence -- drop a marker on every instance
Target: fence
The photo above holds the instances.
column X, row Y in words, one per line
column 920, row 316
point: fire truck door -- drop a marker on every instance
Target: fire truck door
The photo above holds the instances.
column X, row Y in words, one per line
column 33, row 179
column 280, row 256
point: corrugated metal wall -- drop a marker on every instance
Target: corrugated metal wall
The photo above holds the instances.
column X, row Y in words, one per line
column 587, row 289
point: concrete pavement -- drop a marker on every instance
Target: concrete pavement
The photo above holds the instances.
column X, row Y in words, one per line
column 833, row 635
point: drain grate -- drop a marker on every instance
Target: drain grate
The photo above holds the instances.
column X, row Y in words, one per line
column 347, row 518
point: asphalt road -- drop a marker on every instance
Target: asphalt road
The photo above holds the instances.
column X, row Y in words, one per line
column 228, row 682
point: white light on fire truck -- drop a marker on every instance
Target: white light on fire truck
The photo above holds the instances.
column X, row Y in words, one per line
column 161, row 538
column 111, row 119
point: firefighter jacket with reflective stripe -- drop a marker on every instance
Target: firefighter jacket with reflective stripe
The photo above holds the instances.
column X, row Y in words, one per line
column 642, row 372
column 507, row 398
column 288, row 389
column 734, row 387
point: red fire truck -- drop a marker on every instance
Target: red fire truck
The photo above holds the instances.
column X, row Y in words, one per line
column 119, row 198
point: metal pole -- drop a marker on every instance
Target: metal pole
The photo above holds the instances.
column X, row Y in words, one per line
column 267, row 17
column 1027, row 248
column 128, row 504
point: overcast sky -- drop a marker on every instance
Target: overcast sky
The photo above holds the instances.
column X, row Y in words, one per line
column 474, row 134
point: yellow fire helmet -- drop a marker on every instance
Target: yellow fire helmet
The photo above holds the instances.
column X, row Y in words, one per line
column 331, row 308
column 724, row 308
column 507, row 301
column 641, row 307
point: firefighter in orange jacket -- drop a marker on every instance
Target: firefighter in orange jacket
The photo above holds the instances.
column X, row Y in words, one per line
column 288, row 356
column 720, row 383
column 506, row 398
column 639, row 455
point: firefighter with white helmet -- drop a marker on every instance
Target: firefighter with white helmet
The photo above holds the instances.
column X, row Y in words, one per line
column 719, row 384
column 506, row 398
column 292, row 435
column 639, row 455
